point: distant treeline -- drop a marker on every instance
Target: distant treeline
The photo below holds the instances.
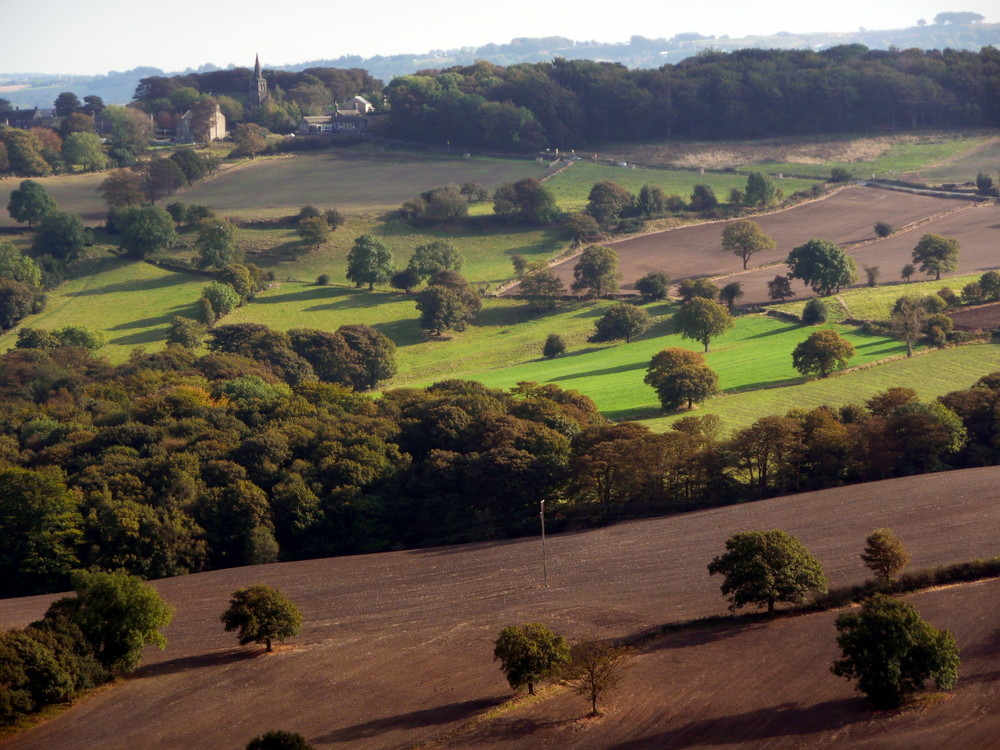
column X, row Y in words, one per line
column 173, row 463
column 747, row 93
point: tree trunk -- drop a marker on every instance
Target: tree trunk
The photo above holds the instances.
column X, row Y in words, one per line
column 593, row 703
column 268, row 642
column 531, row 688
column 909, row 348
column 770, row 605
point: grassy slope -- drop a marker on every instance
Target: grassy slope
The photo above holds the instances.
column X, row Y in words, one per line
column 572, row 186
column 131, row 300
column 901, row 157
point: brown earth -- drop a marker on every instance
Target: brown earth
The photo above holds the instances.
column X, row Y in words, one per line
column 768, row 685
column 980, row 318
column 396, row 647
column 845, row 218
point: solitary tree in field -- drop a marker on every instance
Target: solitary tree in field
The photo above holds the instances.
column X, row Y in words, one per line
column 313, row 231
column 765, row 567
column 907, row 321
column 688, row 289
column 144, row 230
column 744, row 238
column 890, row 650
column 780, row 288
column 622, row 321
column 594, row 669
column 529, row 653
column 30, row 203
column 435, row 257
column 541, row 287
column 262, row 614
column 884, row 555
column 702, row 320
column 216, row 244
column 936, row 254
column 822, row 266
column 278, row 739
column 907, row 271
column 678, row 376
column 369, row 262
column 596, row 271
column 654, row 285
column 761, row 190
column 554, row 346
column 730, row 293
column 821, row 353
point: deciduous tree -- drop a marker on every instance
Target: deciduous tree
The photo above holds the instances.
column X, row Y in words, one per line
column 822, row 266
column 622, row 321
column 144, row 230
column 907, row 321
column 730, row 293
column 762, row 568
column 884, row 555
column 61, row 235
column 216, row 244
column 529, row 653
column 744, row 239
column 608, row 202
column 122, row 187
column 596, row 271
column 891, row 651
column 760, row 191
column 29, row 202
column 313, row 230
column 689, row 289
column 936, row 254
column 433, row 257
column 780, row 288
column 369, row 262
column 594, row 669
column 654, row 285
column 821, row 353
column 541, row 287
column 679, row 376
column 702, row 320
column 86, row 150
column 262, row 614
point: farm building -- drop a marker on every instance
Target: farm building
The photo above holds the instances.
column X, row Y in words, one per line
column 213, row 130
column 354, row 117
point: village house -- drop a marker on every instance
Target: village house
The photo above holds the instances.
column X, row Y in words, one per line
column 353, row 117
column 216, row 127
column 26, row 119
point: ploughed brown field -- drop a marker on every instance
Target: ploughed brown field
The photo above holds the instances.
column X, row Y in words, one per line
column 396, row 647
column 845, row 218
column 979, row 318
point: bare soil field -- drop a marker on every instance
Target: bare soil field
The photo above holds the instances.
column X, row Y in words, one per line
column 980, row 318
column 976, row 228
column 845, row 218
column 396, row 647
column 768, row 685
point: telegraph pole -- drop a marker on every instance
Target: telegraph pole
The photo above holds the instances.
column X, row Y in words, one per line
column 545, row 569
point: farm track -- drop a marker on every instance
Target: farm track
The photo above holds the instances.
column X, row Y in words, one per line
column 396, row 646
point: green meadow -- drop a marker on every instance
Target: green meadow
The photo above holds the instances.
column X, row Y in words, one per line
column 876, row 303
column 572, row 186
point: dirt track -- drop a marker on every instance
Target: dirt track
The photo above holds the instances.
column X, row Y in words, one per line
column 844, row 218
column 396, row 647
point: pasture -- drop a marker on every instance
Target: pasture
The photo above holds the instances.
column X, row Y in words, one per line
column 396, row 648
column 572, row 186
column 813, row 157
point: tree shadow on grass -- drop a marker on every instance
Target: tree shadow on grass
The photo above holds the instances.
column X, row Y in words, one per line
column 502, row 317
column 427, row 717
column 750, row 727
column 631, row 366
column 309, row 293
column 775, row 332
column 634, row 414
column 135, row 285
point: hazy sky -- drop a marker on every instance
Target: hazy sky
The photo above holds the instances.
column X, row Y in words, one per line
column 95, row 36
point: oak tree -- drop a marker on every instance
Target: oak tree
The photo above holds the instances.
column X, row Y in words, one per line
column 529, row 653
column 262, row 614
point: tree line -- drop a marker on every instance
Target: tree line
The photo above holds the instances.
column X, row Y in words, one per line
column 747, row 93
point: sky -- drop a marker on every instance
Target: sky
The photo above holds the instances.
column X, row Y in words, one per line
column 91, row 37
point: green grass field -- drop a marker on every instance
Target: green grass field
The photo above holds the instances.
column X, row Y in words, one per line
column 905, row 156
column 572, row 186
column 130, row 300
column 875, row 303
column 965, row 166
column 931, row 374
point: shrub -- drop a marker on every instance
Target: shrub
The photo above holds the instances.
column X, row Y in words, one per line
column 815, row 312
column 554, row 346
column 883, row 229
column 323, row 279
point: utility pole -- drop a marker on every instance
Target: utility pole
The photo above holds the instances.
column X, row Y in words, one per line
column 545, row 569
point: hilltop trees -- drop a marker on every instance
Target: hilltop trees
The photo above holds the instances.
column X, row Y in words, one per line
column 529, row 653
column 891, row 651
column 262, row 614
column 936, row 254
column 762, row 568
column 744, row 238
column 822, row 266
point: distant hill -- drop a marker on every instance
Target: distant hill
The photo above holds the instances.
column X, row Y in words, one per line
column 639, row 52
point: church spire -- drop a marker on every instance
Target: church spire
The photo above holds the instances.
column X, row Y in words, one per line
column 257, row 94
column 256, row 68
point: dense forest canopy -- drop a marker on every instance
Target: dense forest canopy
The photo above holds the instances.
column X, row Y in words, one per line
column 747, row 93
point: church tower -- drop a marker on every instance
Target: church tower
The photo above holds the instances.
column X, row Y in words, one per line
column 258, row 87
